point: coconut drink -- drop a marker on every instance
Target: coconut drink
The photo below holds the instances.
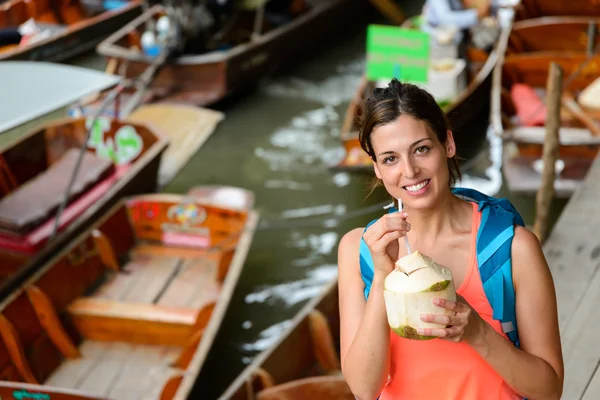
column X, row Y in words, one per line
column 409, row 291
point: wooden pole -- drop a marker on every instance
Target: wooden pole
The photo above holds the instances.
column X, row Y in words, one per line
column 550, row 153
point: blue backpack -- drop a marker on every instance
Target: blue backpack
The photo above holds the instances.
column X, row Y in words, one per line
column 494, row 240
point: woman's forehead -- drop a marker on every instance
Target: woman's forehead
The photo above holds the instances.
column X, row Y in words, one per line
column 403, row 131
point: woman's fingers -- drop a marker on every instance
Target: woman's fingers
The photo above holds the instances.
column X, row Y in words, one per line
column 451, row 332
column 389, row 223
column 456, row 306
column 441, row 319
column 381, row 244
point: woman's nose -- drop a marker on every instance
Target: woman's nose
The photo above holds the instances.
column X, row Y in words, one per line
column 410, row 169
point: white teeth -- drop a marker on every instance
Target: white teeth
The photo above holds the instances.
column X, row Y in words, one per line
column 416, row 188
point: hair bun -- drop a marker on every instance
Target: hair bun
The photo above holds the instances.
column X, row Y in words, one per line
column 396, row 87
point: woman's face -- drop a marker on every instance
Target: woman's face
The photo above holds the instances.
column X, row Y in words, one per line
column 411, row 161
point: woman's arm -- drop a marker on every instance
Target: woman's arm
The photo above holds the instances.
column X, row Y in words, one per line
column 365, row 334
column 536, row 371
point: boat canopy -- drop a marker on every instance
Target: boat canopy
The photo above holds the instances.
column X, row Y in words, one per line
column 32, row 89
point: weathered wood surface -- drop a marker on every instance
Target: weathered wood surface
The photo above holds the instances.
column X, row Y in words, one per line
column 546, row 192
column 573, row 253
column 187, row 128
column 117, row 370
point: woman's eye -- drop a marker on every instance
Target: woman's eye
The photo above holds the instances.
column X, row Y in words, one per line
column 389, row 159
column 422, row 149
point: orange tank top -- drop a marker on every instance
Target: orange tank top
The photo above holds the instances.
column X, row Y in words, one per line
column 438, row 369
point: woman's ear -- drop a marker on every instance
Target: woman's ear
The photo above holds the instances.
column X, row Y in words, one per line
column 377, row 173
column 450, row 145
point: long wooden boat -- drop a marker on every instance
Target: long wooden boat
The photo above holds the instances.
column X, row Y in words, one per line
column 520, row 92
column 527, row 9
column 468, row 112
column 131, row 307
column 122, row 158
column 71, row 27
column 240, row 60
column 304, row 362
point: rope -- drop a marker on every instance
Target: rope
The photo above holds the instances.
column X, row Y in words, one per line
column 141, row 81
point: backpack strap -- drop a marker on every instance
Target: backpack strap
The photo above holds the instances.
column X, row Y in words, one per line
column 494, row 243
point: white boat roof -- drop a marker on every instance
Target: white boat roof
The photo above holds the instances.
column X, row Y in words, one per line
column 31, row 89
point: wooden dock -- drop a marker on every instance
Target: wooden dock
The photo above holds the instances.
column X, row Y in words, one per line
column 573, row 253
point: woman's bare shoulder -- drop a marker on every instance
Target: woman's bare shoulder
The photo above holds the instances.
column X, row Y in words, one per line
column 348, row 248
column 351, row 239
column 529, row 262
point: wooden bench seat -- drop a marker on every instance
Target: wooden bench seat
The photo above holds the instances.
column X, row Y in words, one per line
column 35, row 201
column 153, row 299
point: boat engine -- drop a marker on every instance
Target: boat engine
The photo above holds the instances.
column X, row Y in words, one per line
column 187, row 25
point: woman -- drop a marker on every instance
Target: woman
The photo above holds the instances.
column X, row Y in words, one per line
column 408, row 137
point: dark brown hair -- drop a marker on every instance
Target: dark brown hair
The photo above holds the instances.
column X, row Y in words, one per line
column 385, row 105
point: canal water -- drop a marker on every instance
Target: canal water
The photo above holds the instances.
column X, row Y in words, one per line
column 279, row 140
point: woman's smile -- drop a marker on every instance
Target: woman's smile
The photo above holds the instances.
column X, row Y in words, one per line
column 418, row 188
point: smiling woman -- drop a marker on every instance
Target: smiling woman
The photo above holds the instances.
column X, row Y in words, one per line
column 477, row 353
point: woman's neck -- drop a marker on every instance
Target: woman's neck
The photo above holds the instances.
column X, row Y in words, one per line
column 440, row 219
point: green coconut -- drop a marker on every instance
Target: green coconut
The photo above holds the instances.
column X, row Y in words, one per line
column 409, row 291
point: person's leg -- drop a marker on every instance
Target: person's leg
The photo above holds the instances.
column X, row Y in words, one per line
column 9, row 36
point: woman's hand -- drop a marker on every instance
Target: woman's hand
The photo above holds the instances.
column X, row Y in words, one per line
column 382, row 240
column 466, row 325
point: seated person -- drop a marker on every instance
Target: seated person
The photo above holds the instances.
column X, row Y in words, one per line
column 463, row 14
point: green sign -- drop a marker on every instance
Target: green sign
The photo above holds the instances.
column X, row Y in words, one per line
column 394, row 52
column 125, row 147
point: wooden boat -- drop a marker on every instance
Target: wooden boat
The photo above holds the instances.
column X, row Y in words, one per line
column 527, row 9
column 131, row 307
column 73, row 28
column 569, row 34
column 203, row 79
column 468, row 112
column 122, row 159
column 304, row 363
column 519, row 93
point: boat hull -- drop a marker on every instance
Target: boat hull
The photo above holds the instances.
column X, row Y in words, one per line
column 35, row 249
column 305, row 359
column 82, row 37
column 129, row 299
column 206, row 79
column 530, row 51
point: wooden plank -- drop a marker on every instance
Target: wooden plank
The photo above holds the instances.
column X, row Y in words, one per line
column 568, row 136
column 107, row 320
column 17, row 390
column 593, row 390
column 139, row 373
column 72, row 372
column 194, row 286
column 181, row 252
column 142, row 279
column 149, row 281
column 580, row 349
column 106, row 370
column 187, row 128
column 573, row 251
